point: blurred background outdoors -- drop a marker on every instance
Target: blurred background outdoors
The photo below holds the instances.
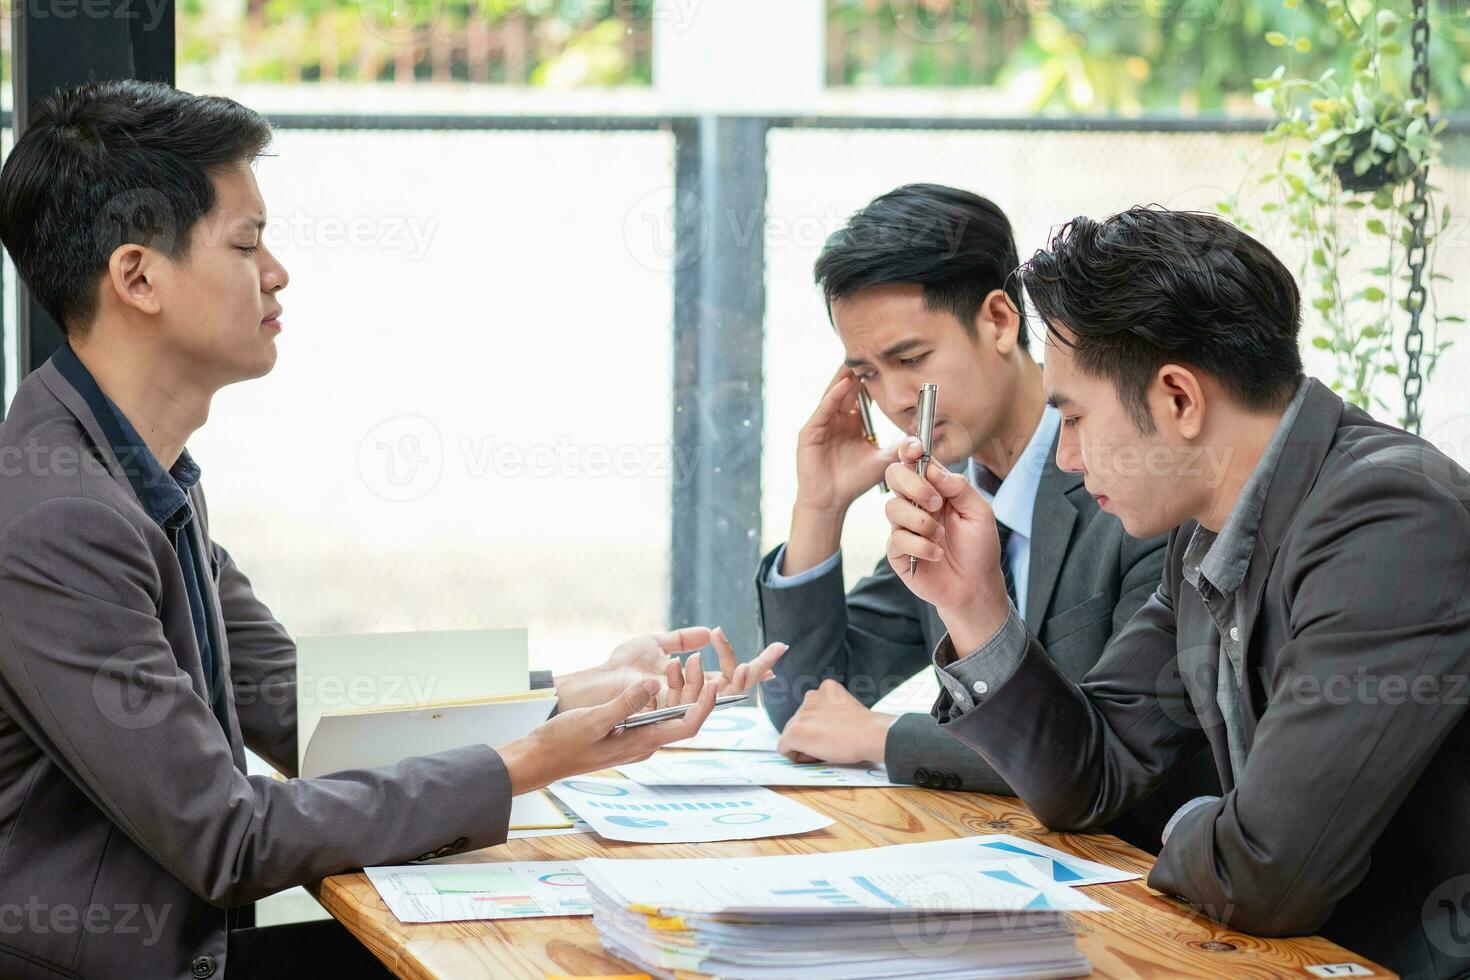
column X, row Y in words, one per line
column 470, row 424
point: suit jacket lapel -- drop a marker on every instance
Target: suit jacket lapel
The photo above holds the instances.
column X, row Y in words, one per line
column 1051, row 532
column 1307, row 445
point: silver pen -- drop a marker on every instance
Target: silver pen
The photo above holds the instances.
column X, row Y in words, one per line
column 865, row 412
column 928, row 396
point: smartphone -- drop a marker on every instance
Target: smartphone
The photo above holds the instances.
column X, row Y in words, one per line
column 677, row 711
column 865, row 412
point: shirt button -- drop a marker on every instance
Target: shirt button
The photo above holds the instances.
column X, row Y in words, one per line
column 202, row 967
column 1235, row 633
column 980, row 687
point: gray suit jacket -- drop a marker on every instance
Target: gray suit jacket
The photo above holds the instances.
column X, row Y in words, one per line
column 1087, row 578
column 1350, row 816
column 127, row 823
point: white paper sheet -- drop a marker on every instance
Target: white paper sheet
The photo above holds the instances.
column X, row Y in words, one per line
column 1059, row 866
column 739, row 729
column 748, row 769
column 833, row 884
column 501, row 890
column 620, row 809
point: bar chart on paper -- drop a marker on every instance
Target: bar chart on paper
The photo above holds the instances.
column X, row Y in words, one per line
column 748, row 769
column 621, row 809
column 460, row 892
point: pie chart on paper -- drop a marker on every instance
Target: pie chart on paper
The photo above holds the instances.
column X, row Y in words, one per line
column 639, row 823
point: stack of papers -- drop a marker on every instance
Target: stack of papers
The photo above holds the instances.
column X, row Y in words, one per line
column 872, row 913
column 451, row 889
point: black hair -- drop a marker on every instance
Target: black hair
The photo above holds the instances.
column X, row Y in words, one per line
column 1149, row 286
column 113, row 163
column 955, row 244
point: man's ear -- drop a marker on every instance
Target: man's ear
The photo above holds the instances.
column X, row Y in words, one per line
column 130, row 271
column 1177, row 399
column 1000, row 314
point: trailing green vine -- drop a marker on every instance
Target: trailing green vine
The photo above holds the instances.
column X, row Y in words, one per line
column 1343, row 180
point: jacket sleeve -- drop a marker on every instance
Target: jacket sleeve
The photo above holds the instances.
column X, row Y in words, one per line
column 87, row 671
column 870, row 640
column 1360, row 698
column 262, row 668
column 1098, row 747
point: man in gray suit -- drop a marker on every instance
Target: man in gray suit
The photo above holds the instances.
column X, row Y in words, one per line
column 916, row 286
column 1312, row 628
column 136, row 662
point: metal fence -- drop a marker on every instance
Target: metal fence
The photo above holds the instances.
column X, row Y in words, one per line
column 602, row 289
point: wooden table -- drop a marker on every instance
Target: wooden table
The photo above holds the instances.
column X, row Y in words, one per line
column 1143, row 935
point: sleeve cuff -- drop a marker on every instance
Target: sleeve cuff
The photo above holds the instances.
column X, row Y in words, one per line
column 1185, row 811
column 970, row 680
column 778, row 581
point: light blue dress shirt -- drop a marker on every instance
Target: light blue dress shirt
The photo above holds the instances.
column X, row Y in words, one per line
column 1014, row 503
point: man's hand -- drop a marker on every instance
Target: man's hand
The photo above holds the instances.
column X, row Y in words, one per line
column 639, row 659
column 942, row 520
column 835, row 464
column 734, row 677
column 655, row 657
column 581, row 740
column 833, row 726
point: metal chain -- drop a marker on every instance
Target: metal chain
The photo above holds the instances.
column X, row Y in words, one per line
column 1417, row 252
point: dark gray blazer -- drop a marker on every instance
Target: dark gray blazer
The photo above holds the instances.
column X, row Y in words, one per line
column 1350, row 817
column 127, row 824
column 1087, row 578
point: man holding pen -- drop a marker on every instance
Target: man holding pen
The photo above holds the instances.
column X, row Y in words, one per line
column 916, row 287
column 1311, row 631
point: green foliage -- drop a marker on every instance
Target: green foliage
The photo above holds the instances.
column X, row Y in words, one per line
column 1122, row 56
column 558, row 43
column 1346, row 151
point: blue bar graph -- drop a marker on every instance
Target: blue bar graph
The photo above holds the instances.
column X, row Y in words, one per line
column 731, row 804
column 824, row 891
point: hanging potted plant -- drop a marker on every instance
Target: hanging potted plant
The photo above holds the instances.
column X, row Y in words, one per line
column 1351, row 182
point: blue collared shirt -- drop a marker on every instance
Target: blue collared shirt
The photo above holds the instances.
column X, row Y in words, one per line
column 1014, row 503
column 164, row 497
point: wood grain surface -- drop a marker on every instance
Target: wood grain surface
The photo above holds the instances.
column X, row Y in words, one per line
column 1144, row 934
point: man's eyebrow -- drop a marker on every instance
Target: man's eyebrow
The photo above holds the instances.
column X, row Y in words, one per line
column 893, row 350
column 1058, row 399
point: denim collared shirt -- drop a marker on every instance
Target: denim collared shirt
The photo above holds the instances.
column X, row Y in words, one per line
column 164, row 497
column 1215, row 564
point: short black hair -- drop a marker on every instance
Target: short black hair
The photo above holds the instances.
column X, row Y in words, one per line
column 112, row 163
column 1150, row 285
column 956, row 244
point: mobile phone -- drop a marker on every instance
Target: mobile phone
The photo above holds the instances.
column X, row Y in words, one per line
column 677, row 711
column 865, row 412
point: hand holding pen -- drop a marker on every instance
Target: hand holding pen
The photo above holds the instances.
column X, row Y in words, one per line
column 928, row 398
column 940, row 519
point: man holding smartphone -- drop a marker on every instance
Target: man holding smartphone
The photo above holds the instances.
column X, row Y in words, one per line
column 917, row 289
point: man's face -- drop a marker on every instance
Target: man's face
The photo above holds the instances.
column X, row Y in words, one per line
column 218, row 306
column 896, row 346
column 1140, row 478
